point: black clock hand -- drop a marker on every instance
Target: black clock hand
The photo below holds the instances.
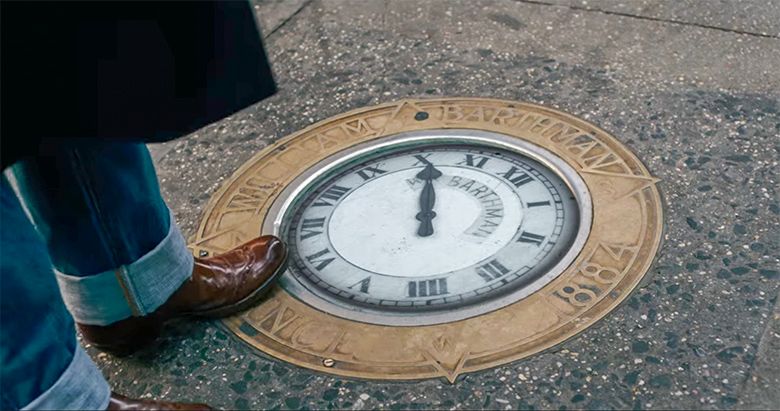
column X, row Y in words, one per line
column 427, row 200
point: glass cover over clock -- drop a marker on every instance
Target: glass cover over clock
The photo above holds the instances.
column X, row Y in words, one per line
column 432, row 226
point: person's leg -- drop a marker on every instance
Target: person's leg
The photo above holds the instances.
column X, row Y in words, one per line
column 115, row 248
column 43, row 367
column 121, row 263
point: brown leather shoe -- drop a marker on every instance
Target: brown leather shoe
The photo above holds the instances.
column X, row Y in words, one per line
column 220, row 286
column 120, row 402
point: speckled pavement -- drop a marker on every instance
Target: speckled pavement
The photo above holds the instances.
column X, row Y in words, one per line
column 693, row 87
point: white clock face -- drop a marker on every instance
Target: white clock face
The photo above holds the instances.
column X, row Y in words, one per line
column 429, row 228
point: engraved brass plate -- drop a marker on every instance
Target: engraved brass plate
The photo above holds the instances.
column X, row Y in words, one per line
column 625, row 234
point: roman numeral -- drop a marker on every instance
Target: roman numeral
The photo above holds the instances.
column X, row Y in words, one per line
column 474, row 161
column 364, row 283
column 370, row 172
column 538, row 204
column 519, row 179
column 333, row 194
column 422, row 159
column 310, row 226
column 492, row 270
column 428, row 288
column 318, row 261
column 527, row 237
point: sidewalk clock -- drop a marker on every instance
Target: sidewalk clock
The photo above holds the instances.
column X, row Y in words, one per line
column 429, row 238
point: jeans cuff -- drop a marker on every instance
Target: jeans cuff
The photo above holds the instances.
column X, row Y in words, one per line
column 132, row 290
column 81, row 387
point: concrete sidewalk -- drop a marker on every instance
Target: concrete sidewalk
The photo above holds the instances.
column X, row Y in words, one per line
column 693, row 87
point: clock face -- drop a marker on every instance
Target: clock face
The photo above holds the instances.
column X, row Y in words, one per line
column 413, row 234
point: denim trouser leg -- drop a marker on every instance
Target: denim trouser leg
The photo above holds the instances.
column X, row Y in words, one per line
column 42, row 365
column 114, row 246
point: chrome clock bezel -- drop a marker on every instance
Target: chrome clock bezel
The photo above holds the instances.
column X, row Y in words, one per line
column 285, row 205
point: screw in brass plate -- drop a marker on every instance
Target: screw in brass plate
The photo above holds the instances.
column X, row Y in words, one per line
column 421, row 115
column 329, row 362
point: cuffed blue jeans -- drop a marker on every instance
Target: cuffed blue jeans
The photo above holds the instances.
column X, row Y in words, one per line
column 85, row 235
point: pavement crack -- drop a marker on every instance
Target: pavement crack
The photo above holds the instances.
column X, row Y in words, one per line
column 288, row 19
column 648, row 18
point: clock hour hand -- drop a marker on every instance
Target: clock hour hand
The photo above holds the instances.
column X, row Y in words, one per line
column 427, row 200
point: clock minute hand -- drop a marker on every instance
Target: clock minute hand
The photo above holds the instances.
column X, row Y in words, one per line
column 427, row 200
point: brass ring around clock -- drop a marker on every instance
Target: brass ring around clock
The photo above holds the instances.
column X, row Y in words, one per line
column 610, row 256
